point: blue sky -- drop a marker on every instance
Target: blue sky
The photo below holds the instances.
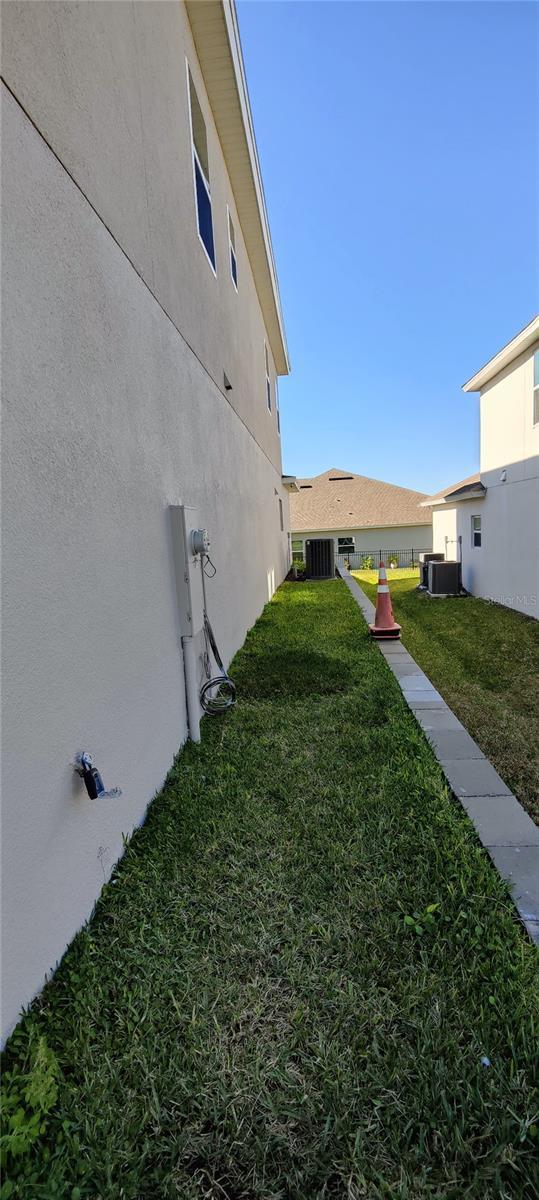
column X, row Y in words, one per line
column 398, row 144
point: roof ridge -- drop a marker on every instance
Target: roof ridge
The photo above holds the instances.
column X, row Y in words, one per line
column 368, row 478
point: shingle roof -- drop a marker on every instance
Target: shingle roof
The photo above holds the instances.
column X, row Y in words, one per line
column 342, row 500
column 457, row 490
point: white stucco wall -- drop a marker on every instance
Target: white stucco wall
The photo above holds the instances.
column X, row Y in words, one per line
column 506, row 568
column 106, row 85
column 444, row 531
column 109, row 417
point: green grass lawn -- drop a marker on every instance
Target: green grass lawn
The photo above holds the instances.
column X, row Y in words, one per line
column 484, row 659
column 287, row 990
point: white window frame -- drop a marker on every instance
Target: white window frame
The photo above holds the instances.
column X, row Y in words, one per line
column 476, row 545
column 268, row 378
column 297, row 555
column 205, row 181
column 232, row 252
column 277, row 409
column 349, row 549
column 535, row 409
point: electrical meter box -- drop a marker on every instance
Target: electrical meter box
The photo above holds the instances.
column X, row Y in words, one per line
column 188, row 569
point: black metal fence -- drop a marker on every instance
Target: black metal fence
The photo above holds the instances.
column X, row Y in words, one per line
column 368, row 560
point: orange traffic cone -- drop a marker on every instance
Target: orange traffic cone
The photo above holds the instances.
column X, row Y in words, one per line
column 385, row 625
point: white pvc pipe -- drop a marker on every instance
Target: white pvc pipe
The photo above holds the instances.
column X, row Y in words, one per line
column 191, row 687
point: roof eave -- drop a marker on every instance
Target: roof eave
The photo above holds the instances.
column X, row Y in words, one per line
column 214, row 27
column 435, row 501
column 504, row 357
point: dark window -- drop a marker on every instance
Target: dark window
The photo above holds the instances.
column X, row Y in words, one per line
column 268, row 381
column 346, row 545
column 205, row 223
column 281, row 516
column 232, row 247
column 476, row 531
column 202, row 173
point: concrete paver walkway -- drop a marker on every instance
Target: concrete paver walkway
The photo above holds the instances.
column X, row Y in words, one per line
column 502, row 825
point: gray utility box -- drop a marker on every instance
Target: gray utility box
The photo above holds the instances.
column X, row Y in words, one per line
column 188, row 568
column 424, row 559
column 445, row 578
column 320, row 558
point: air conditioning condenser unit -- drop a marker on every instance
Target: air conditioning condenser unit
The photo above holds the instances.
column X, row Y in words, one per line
column 445, row 578
column 425, row 558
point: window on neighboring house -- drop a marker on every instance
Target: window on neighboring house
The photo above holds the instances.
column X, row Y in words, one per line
column 201, row 173
column 346, row 545
column 281, row 514
column 232, row 249
column 268, row 381
column 476, row 531
column 297, row 550
column 536, row 388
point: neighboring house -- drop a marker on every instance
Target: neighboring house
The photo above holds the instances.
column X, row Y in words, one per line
column 491, row 520
column 365, row 517
column 142, row 340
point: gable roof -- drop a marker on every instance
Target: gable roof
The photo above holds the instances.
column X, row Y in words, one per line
column 216, row 35
column 466, row 489
column 521, row 342
column 343, row 500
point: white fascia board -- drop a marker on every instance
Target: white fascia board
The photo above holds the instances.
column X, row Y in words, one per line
column 504, row 357
column 452, row 500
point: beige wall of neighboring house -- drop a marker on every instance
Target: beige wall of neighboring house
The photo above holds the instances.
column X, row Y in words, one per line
column 384, row 538
column 505, row 566
column 116, row 334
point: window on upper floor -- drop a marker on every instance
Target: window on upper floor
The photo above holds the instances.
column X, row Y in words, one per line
column 268, row 380
column 277, row 412
column 476, row 531
column 281, row 514
column 201, row 173
column 232, row 250
column 536, row 388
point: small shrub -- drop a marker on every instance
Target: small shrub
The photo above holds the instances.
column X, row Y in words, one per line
column 367, row 562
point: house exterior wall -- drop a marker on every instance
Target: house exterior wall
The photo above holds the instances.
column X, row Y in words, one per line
column 114, row 348
column 399, row 537
column 444, row 531
column 106, row 85
column 505, row 568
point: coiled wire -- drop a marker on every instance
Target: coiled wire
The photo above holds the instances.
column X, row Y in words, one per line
column 218, row 693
